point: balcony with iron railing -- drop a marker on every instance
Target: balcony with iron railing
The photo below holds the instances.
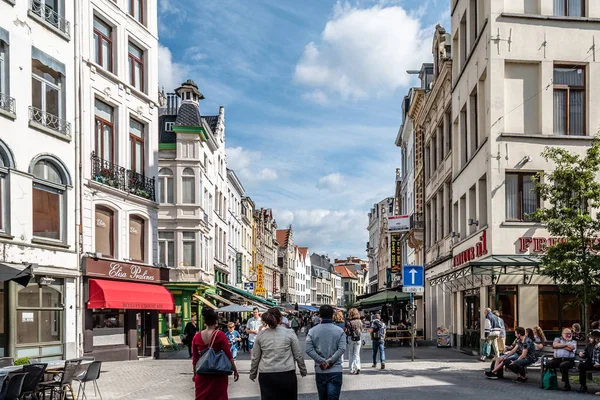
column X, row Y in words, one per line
column 8, row 105
column 39, row 10
column 416, row 221
column 50, row 122
column 118, row 177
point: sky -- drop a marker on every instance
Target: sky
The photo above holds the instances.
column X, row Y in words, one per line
column 312, row 91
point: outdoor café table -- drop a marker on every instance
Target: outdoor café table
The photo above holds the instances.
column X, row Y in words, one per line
column 53, row 366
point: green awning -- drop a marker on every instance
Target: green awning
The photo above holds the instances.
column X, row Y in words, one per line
column 245, row 294
column 383, row 298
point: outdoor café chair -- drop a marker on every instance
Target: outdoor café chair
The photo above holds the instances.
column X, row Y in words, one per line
column 35, row 374
column 92, row 374
column 13, row 388
column 65, row 385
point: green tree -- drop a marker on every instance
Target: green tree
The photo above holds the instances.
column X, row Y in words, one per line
column 571, row 196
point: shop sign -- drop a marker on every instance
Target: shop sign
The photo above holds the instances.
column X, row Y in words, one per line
column 260, row 290
column 274, row 281
column 395, row 254
column 123, row 271
column 238, row 267
column 399, row 223
column 473, row 252
column 249, row 286
column 539, row 245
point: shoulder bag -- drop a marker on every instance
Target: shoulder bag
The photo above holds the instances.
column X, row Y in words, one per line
column 213, row 362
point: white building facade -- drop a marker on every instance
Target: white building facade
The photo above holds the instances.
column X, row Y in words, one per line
column 38, row 189
column 235, row 191
column 495, row 154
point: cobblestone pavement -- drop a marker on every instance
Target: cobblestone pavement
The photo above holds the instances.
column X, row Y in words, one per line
column 435, row 374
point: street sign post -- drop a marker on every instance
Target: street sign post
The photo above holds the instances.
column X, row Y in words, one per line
column 249, row 286
column 413, row 281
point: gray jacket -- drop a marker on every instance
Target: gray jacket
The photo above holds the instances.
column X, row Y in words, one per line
column 326, row 342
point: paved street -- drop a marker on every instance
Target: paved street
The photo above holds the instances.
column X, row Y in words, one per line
column 436, row 373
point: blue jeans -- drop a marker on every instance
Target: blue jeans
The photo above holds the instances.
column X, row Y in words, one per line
column 329, row 386
column 378, row 347
column 518, row 366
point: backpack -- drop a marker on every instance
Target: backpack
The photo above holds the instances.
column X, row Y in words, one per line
column 352, row 333
column 550, row 381
column 378, row 330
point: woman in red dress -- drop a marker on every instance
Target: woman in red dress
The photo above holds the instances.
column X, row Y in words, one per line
column 211, row 387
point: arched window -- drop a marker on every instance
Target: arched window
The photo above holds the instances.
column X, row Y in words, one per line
column 104, row 223
column 49, row 186
column 165, row 186
column 137, row 238
column 188, row 195
column 6, row 162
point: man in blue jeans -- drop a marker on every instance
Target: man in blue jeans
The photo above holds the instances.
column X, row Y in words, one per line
column 378, row 336
column 326, row 343
column 527, row 357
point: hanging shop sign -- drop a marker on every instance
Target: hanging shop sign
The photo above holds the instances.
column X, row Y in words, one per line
column 399, row 223
column 395, row 254
column 260, row 290
column 238, row 267
column 472, row 253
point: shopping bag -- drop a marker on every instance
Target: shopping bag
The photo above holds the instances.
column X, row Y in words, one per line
column 486, row 349
column 550, row 381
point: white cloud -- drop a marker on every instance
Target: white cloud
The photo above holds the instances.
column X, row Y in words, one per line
column 239, row 158
column 316, row 96
column 170, row 74
column 331, row 182
column 267, row 174
column 322, row 230
column 363, row 53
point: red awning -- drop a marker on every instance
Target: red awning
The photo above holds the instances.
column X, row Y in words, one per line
column 127, row 295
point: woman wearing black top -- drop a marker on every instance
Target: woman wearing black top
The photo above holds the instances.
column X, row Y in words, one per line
column 191, row 328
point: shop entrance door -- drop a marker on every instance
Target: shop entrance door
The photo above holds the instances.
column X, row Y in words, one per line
column 143, row 330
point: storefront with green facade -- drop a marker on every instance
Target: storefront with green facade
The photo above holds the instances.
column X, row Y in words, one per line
column 189, row 299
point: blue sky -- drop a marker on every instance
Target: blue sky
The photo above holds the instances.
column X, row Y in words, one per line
column 312, row 91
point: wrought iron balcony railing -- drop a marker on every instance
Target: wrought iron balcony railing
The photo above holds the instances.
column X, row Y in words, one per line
column 113, row 175
column 49, row 121
column 48, row 14
column 7, row 103
column 416, row 221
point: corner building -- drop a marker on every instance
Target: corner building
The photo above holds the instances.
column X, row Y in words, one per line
column 523, row 78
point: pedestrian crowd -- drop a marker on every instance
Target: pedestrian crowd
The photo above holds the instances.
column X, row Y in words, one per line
column 526, row 351
column 272, row 340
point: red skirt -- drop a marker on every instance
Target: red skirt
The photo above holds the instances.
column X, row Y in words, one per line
column 211, row 387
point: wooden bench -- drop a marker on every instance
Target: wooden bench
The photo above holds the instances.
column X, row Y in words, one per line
column 547, row 354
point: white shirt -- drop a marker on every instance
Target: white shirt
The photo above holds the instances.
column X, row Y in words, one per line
column 285, row 321
column 254, row 324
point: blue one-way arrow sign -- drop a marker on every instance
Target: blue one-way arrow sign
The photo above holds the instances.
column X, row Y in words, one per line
column 413, row 278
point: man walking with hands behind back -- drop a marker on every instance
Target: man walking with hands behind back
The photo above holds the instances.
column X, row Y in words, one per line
column 326, row 343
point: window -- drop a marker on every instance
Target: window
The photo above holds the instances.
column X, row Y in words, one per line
column 104, row 231
column 165, row 186
column 136, row 67
column 48, row 201
column 346, row 286
column 187, row 187
column 569, row 8
column 108, row 327
column 569, row 100
column 3, row 71
column 557, row 310
column 40, row 313
column 103, row 44
column 104, row 116
column 166, row 248
column 169, row 126
column 521, row 196
column 137, row 235
column 5, row 164
column 189, row 248
column 46, row 90
column 51, row 11
column 136, row 146
column 136, row 10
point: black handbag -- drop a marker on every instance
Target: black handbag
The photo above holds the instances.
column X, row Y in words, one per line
column 213, row 362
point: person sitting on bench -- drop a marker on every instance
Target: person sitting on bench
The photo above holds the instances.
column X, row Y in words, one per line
column 564, row 356
column 591, row 362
